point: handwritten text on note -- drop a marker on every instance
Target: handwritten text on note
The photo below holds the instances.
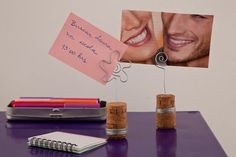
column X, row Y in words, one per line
column 83, row 47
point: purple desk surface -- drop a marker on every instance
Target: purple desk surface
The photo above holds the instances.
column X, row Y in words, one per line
column 191, row 138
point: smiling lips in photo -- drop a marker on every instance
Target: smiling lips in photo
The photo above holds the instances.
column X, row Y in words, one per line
column 139, row 38
column 178, row 42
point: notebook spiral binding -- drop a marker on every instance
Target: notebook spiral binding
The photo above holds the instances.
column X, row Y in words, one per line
column 51, row 144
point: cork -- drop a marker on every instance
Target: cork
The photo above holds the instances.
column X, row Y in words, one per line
column 165, row 114
column 116, row 122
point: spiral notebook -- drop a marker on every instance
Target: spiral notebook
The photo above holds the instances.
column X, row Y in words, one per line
column 64, row 141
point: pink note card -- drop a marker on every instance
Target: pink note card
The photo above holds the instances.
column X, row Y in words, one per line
column 87, row 49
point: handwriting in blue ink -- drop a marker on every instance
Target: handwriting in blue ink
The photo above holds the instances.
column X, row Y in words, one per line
column 81, row 28
column 70, row 51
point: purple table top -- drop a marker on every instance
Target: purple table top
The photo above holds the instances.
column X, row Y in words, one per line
column 191, row 138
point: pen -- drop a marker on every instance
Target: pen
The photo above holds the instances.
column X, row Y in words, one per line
column 57, row 100
column 57, row 105
column 35, row 98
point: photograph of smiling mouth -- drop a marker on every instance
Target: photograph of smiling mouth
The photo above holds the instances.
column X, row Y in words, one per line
column 178, row 42
column 139, row 39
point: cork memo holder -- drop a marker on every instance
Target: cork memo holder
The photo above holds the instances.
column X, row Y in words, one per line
column 165, row 114
column 116, row 123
